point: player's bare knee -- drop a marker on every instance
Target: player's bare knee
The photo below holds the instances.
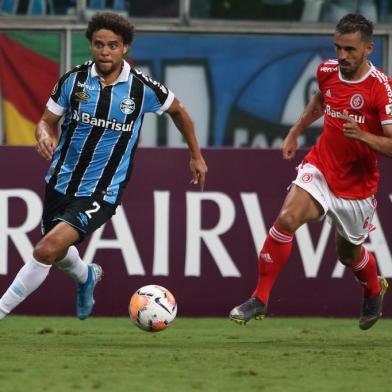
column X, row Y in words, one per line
column 347, row 261
column 46, row 251
column 288, row 221
column 348, row 253
column 346, row 256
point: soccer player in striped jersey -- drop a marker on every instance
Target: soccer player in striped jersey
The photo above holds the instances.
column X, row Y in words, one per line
column 102, row 104
column 339, row 175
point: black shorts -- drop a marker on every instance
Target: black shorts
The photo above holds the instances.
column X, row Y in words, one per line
column 85, row 214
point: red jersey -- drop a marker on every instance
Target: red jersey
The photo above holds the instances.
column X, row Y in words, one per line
column 350, row 167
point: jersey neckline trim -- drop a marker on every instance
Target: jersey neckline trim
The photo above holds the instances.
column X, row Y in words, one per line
column 123, row 77
column 371, row 69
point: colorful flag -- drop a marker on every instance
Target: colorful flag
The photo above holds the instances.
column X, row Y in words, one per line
column 27, row 79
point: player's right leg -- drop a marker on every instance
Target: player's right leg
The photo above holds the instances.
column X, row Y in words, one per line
column 299, row 207
column 51, row 248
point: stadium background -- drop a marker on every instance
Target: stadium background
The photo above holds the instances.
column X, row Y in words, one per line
column 231, row 73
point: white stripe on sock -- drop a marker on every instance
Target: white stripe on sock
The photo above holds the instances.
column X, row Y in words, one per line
column 280, row 237
column 361, row 264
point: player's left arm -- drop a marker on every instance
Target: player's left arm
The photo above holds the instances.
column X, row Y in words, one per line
column 184, row 124
column 380, row 144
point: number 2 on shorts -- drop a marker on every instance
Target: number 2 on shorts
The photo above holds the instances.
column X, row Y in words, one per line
column 93, row 210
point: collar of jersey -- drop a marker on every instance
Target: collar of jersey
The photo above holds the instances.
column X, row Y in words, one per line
column 123, row 77
column 371, row 69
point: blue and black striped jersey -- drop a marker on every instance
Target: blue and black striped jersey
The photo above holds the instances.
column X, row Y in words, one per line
column 101, row 128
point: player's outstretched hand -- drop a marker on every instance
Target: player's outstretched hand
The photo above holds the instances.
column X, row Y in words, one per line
column 199, row 170
column 350, row 127
column 289, row 146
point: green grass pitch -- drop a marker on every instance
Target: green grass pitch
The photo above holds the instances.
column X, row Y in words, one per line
column 206, row 354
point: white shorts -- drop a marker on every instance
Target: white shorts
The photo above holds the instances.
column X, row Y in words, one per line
column 351, row 217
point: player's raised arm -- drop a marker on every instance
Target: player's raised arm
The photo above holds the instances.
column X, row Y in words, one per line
column 184, row 124
column 45, row 134
column 313, row 111
column 380, row 144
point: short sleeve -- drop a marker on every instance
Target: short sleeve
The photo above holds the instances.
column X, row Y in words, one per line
column 158, row 97
column 59, row 99
column 383, row 100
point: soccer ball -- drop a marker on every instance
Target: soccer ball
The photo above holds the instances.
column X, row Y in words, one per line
column 152, row 308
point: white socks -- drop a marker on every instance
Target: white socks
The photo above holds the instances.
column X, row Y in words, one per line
column 73, row 265
column 33, row 273
column 28, row 279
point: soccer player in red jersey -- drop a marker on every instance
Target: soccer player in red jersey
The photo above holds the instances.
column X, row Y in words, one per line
column 339, row 175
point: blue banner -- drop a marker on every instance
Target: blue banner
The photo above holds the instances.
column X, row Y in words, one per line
column 241, row 90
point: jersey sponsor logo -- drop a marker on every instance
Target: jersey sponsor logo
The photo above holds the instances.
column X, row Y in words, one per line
column 328, row 93
column 84, row 85
column 81, row 96
column 336, row 114
column 382, row 78
column 388, row 110
column 328, row 69
column 389, row 90
column 357, row 101
column 127, row 106
column 113, row 124
column 306, row 177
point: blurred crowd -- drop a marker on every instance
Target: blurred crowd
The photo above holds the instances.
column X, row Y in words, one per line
column 274, row 10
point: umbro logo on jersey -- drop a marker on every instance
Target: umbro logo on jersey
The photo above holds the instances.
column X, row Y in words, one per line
column 81, row 96
column 328, row 93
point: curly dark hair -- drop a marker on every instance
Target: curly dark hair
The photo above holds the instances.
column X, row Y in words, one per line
column 113, row 22
column 351, row 23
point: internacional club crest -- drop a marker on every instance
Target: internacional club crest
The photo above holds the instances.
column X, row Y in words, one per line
column 306, row 177
column 356, row 101
column 127, row 105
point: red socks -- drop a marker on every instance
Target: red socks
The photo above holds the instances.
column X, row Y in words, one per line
column 273, row 256
column 365, row 271
column 276, row 251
